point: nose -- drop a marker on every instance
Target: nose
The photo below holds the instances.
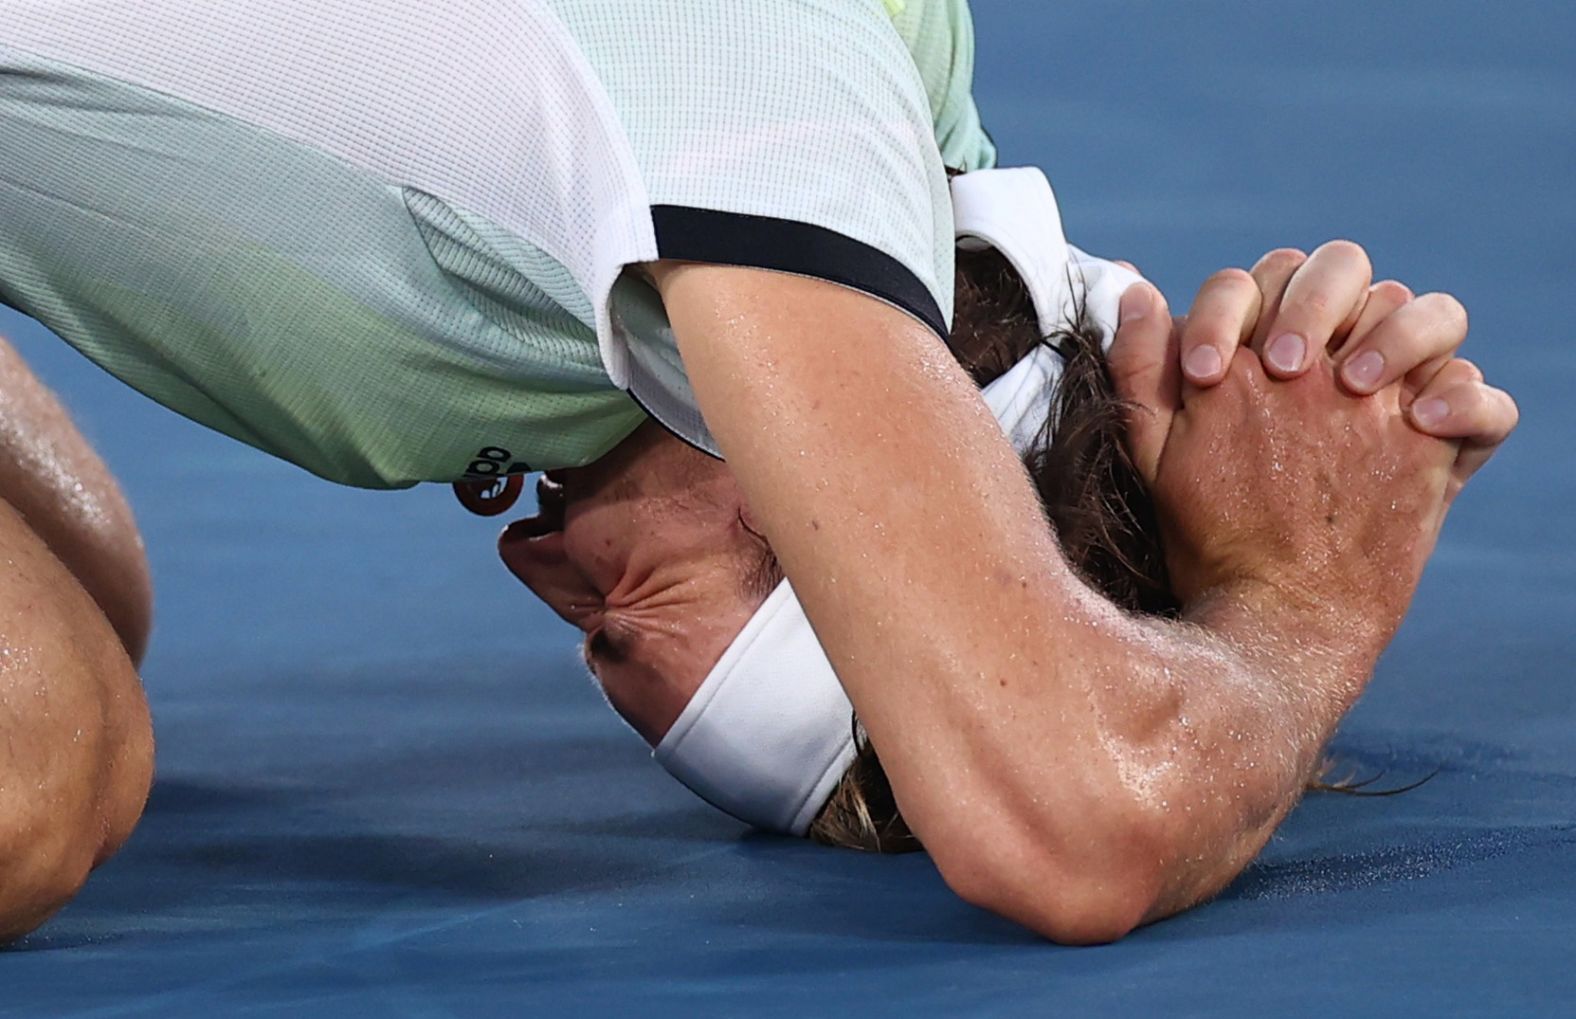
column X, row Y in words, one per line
column 514, row 535
column 515, row 550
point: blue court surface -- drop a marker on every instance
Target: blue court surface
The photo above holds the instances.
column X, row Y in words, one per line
column 385, row 787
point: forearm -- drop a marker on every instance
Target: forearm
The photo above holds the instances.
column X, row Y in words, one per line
column 1253, row 691
column 1065, row 764
column 1141, row 769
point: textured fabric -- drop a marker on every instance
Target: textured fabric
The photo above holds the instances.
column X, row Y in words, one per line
column 940, row 36
column 767, row 735
column 358, row 330
column 379, row 238
column 809, row 111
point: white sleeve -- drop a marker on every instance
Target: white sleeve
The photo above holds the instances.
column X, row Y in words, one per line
column 794, row 136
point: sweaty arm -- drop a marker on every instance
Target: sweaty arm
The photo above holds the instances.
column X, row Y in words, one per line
column 1073, row 768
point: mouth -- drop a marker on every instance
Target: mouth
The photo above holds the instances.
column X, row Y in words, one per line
column 551, row 501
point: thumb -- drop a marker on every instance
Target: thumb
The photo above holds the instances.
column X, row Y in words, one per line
column 1147, row 373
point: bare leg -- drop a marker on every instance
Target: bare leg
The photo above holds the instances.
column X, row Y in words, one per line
column 76, row 741
column 51, row 476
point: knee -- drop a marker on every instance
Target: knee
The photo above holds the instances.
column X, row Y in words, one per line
column 74, row 814
column 76, row 740
column 44, row 862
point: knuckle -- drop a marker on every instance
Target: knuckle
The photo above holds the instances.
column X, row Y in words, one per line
column 1448, row 308
column 1281, row 260
column 1346, row 251
column 1233, row 278
column 43, row 867
column 1468, row 401
column 1512, row 410
column 1391, row 291
column 1463, row 370
column 1245, row 378
column 1314, row 303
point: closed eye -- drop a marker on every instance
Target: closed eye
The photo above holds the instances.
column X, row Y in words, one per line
column 603, row 649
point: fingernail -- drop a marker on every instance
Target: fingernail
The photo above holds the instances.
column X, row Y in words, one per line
column 1202, row 363
column 1134, row 305
column 1430, row 412
column 1363, row 371
column 1285, row 352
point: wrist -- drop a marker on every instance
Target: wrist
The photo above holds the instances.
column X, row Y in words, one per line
column 1322, row 644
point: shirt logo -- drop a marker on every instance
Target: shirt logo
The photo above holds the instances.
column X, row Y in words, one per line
column 495, row 462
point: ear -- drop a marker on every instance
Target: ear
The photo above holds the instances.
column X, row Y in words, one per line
column 723, row 500
column 748, row 518
column 1146, row 370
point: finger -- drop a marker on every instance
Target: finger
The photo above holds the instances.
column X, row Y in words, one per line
column 1457, row 404
column 1416, row 341
column 1272, row 273
column 1464, row 408
column 1322, row 301
column 1219, row 322
column 1497, row 416
column 1145, row 372
column 1461, row 370
column 1384, row 299
column 1437, row 420
column 1129, row 266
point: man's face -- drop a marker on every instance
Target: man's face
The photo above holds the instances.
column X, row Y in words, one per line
column 647, row 551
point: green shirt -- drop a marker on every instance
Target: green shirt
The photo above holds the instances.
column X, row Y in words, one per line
column 386, row 239
column 939, row 35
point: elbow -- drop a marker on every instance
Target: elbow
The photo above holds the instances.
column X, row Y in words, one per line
column 1067, row 905
column 1090, row 886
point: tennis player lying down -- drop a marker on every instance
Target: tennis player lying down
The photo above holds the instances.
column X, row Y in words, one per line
column 652, row 552
column 264, row 217
column 655, row 554
column 635, row 548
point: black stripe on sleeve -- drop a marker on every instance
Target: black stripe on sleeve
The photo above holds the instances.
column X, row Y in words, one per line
column 762, row 242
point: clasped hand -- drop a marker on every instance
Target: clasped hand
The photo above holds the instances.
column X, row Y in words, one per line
column 1305, row 431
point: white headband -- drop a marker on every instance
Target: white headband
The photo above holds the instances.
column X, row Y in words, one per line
column 769, row 733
